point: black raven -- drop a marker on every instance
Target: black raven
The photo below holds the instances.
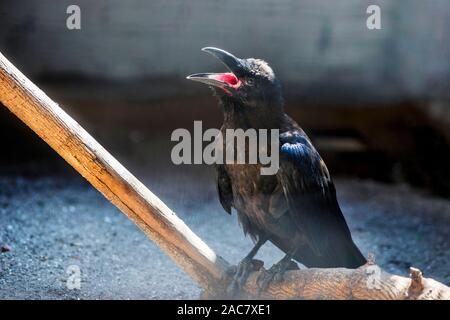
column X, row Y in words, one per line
column 296, row 209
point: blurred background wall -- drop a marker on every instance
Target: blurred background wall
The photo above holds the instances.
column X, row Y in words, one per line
column 310, row 43
column 375, row 101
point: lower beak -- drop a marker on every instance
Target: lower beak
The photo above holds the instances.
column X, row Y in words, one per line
column 211, row 79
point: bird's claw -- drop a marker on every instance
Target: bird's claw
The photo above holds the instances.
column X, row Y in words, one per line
column 275, row 274
column 240, row 274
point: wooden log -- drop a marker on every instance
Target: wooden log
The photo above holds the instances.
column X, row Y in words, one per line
column 368, row 282
column 160, row 224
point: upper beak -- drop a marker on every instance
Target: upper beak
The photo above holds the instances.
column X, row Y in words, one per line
column 231, row 62
column 235, row 65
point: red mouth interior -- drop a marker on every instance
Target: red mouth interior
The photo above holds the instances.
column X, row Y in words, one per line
column 228, row 78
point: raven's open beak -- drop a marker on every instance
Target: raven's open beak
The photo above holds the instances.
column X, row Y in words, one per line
column 228, row 80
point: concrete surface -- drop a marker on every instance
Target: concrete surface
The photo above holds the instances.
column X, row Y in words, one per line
column 52, row 223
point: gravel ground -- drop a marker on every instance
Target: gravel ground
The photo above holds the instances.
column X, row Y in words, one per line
column 50, row 223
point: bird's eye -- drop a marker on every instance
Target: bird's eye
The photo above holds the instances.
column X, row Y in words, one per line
column 250, row 82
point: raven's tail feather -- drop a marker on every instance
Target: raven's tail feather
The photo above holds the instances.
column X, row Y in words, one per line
column 341, row 254
column 350, row 256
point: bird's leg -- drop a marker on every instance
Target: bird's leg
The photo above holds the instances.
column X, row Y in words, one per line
column 244, row 268
column 276, row 272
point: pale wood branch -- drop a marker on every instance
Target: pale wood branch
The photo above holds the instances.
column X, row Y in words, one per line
column 160, row 224
column 368, row 282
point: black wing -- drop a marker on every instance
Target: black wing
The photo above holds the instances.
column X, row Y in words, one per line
column 312, row 203
column 224, row 188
